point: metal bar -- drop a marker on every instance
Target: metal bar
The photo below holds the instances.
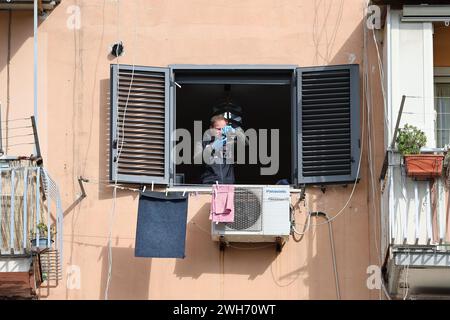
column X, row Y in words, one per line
column 36, row 137
column 399, row 116
column 417, row 215
column 83, row 191
column 48, row 221
column 405, row 219
column 10, row 169
column 35, row 59
column 1, row 209
column 429, row 227
column 385, row 166
column 394, row 137
column 1, row 137
column 391, row 205
column 38, row 204
column 11, row 218
column 25, row 208
column 441, row 215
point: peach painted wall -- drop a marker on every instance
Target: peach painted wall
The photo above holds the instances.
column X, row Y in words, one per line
column 441, row 45
column 73, row 109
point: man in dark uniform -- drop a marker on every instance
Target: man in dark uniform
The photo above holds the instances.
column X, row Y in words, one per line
column 216, row 149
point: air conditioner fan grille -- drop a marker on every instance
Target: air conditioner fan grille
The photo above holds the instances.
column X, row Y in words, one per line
column 248, row 210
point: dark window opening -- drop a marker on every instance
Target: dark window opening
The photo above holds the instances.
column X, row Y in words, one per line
column 264, row 106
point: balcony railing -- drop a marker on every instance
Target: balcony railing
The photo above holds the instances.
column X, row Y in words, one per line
column 417, row 209
column 30, row 210
column 416, row 212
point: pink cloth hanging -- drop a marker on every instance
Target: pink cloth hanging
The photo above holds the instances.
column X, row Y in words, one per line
column 222, row 203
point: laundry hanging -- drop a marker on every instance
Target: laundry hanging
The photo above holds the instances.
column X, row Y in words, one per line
column 161, row 225
column 222, row 203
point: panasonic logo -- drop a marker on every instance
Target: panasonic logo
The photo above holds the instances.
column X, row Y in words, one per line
column 276, row 191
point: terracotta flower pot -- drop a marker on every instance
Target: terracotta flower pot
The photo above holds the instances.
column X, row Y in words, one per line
column 424, row 165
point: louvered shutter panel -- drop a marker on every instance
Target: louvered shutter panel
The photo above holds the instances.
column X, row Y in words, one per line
column 139, row 124
column 329, row 124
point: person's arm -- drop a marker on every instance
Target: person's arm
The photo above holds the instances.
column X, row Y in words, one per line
column 208, row 148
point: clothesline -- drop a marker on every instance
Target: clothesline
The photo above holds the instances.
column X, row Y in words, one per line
column 191, row 188
column 421, row 97
column 425, row 113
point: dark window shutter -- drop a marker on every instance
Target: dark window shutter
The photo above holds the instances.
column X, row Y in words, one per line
column 329, row 124
column 139, row 124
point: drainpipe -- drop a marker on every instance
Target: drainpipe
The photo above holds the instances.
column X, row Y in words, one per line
column 35, row 76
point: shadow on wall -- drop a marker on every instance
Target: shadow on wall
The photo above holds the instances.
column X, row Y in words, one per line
column 353, row 247
column 204, row 256
column 130, row 276
column 17, row 28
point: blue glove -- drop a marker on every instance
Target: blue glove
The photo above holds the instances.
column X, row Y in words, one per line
column 228, row 130
column 219, row 143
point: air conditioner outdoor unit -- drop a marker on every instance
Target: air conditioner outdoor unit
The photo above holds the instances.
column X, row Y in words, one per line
column 261, row 215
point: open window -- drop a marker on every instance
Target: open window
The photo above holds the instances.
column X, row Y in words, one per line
column 441, row 61
column 309, row 118
column 266, row 99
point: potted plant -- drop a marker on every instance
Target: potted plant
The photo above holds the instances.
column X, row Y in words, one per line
column 43, row 236
column 409, row 141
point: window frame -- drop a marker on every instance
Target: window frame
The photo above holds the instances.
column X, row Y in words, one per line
column 441, row 76
column 263, row 68
column 289, row 74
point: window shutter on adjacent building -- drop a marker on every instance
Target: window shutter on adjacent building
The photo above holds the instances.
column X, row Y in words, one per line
column 328, row 124
column 139, row 136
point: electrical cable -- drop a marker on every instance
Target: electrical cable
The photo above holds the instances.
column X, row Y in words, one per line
column 15, row 128
column 405, row 296
column 120, row 139
column 385, row 291
column 306, row 226
column 367, row 94
column 356, row 179
column 333, row 250
column 19, row 136
column 21, row 144
column 16, row 119
column 357, row 175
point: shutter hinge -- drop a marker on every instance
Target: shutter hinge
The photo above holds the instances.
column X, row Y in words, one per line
column 114, row 144
column 174, row 83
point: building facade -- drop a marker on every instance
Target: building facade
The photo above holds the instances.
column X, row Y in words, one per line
column 223, row 42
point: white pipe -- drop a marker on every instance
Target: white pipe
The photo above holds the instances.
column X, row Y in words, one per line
column 35, row 76
column 441, row 210
column 429, row 227
column 417, row 215
column 392, row 213
column 405, row 215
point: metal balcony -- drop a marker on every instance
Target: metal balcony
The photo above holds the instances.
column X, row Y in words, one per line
column 415, row 226
column 30, row 226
